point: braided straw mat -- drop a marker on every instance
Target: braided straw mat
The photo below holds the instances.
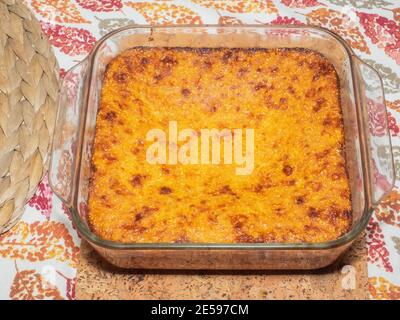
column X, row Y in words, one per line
column 28, row 97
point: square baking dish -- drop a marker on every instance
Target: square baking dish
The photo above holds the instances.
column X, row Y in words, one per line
column 368, row 152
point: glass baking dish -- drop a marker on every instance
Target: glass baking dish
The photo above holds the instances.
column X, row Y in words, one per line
column 368, row 151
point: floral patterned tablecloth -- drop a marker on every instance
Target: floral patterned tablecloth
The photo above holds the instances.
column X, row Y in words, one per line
column 38, row 258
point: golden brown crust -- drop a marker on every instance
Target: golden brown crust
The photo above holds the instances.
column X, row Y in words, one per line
column 298, row 191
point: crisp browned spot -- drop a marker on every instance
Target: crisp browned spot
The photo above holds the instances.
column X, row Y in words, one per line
column 311, row 93
column 242, row 72
column 165, row 190
column 211, row 218
column 313, row 213
column 322, row 155
column 134, row 227
column 279, row 211
column 145, row 211
column 274, row 69
column 311, row 229
column 299, row 200
column 263, row 85
column 258, row 188
column 238, row 222
column 290, row 182
column 213, row 108
column 137, row 180
column 110, row 116
column 117, row 187
column 259, row 86
column 328, row 121
column 128, row 131
column 105, row 201
column 227, row 56
column 243, row 237
column 185, row 92
column 148, row 209
column 135, row 150
column 144, row 61
column 227, row 190
column 287, row 170
column 169, row 60
column 207, row 64
column 128, row 61
column 319, row 104
column 346, row 214
column 110, row 157
column 93, row 167
column 182, row 239
column 139, row 216
column 283, row 103
column 120, row 77
column 160, row 75
column 165, row 170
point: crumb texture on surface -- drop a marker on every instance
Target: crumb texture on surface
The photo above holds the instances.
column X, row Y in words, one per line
column 298, row 190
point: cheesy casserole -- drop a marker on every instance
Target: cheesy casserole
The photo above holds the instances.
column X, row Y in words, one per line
column 298, row 190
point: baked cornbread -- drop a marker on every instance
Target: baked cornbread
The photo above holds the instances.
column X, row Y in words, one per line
column 298, row 190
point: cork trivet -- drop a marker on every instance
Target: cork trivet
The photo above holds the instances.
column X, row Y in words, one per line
column 99, row 280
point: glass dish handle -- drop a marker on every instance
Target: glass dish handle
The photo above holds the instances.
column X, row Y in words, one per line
column 378, row 147
column 63, row 171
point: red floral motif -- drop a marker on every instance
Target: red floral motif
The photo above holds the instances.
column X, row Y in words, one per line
column 71, row 41
column 70, row 286
column 100, row 5
column 376, row 117
column 39, row 241
column 62, row 73
column 286, row 20
column 300, row 3
column 71, row 82
column 378, row 254
column 383, row 32
column 67, row 212
column 380, row 180
column 30, row 285
column 60, row 11
column 42, row 199
column 389, row 210
column 226, row 20
column 394, row 128
column 395, row 105
column 382, row 289
column 342, row 23
column 396, row 14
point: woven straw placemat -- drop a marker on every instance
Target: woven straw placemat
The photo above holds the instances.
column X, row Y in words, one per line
column 28, row 96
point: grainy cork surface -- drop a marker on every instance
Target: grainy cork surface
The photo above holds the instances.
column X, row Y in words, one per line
column 99, row 280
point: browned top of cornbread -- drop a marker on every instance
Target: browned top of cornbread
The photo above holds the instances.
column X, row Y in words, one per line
column 298, row 190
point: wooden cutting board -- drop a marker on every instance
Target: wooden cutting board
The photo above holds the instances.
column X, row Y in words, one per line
column 99, row 280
